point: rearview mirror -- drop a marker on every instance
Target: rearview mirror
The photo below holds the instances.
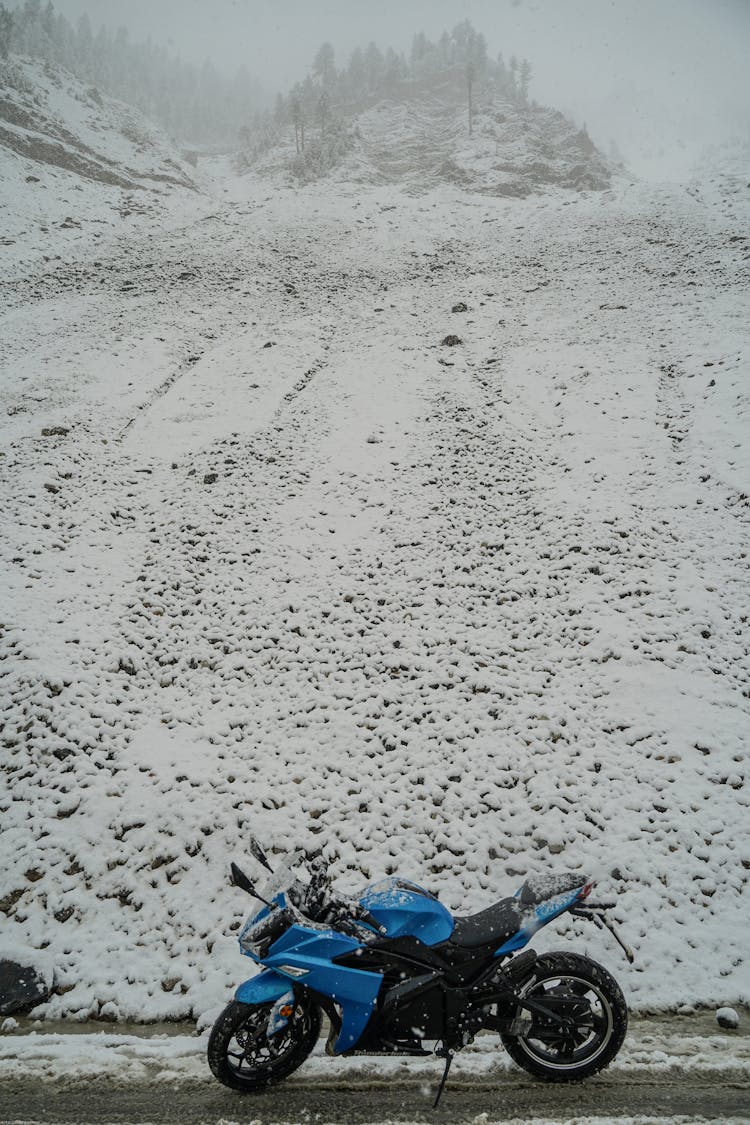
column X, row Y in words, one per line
column 259, row 854
column 240, row 879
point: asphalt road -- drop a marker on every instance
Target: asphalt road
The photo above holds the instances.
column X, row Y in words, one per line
column 714, row 1099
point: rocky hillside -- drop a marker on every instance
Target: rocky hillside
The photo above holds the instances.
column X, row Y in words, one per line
column 59, row 137
column 411, row 526
column 419, row 137
column 511, row 152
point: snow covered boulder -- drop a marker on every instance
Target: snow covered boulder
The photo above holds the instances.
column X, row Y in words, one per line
column 25, row 981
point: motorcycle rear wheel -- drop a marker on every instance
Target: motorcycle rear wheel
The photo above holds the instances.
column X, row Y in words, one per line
column 243, row 1057
column 555, row 1055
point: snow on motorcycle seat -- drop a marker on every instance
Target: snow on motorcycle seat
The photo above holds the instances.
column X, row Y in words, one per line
column 539, row 888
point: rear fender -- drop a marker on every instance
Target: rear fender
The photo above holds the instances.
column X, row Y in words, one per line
column 265, row 987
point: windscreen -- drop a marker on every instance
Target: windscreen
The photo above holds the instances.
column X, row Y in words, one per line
column 288, row 869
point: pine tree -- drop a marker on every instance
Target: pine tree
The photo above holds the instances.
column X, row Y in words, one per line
column 298, row 118
column 84, row 47
column 374, row 67
column 324, row 66
column 395, row 67
column 356, row 74
column 323, row 111
column 49, row 22
column 6, row 31
column 29, row 23
column 444, row 46
column 102, row 58
column 419, row 47
column 64, row 42
column 524, row 78
column 513, row 67
column 475, row 61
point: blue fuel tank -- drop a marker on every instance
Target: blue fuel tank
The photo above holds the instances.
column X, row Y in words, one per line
column 406, row 909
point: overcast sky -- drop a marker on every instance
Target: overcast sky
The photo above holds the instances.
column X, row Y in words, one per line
column 644, row 72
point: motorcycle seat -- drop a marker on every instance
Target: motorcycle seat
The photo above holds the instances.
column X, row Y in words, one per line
column 492, row 926
column 497, row 923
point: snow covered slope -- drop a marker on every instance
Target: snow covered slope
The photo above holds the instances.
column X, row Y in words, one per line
column 72, row 157
column 277, row 559
column 419, row 139
column 513, row 151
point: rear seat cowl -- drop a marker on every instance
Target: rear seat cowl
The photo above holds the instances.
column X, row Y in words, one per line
column 539, row 888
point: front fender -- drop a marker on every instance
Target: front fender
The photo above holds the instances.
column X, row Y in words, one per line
column 266, row 986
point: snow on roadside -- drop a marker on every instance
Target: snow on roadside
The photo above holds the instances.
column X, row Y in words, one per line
column 134, row 1058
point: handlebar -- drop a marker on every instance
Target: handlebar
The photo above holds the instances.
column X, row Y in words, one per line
column 369, row 919
column 341, row 911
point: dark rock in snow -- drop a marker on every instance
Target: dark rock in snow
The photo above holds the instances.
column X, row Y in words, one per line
column 451, row 341
column 460, row 307
column 55, row 431
column 210, row 478
column 21, row 988
column 270, row 344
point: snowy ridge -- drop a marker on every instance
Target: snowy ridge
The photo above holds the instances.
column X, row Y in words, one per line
column 60, row 138
column 47, row 114
column 513, row 151
column 276, row 560
column 419, row 140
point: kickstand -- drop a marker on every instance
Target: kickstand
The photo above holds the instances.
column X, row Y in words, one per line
column 448, row 1061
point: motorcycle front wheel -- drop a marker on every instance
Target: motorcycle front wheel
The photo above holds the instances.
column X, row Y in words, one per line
column 598, row 1019
column 242, row 1056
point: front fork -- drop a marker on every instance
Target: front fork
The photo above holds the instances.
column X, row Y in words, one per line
column 281, row 1013
column 265, row 987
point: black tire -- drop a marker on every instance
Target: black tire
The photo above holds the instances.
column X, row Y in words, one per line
column 242, row 1057
column 600, row 1027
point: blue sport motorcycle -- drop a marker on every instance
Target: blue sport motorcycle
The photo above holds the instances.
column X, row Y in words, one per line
column 394, row 970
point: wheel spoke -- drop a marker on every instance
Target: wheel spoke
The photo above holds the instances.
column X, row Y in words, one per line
column 583, row 1036
column 252, row 1056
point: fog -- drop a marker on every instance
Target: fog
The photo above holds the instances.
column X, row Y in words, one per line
column 660, row 78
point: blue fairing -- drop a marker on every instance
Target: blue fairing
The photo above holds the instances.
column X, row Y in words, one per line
column 543, row 913
column 406, row 909
column 352, row 989
column 313, row 950
column 267, row 986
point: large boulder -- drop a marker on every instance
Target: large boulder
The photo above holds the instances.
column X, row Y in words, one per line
column 23, row 984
